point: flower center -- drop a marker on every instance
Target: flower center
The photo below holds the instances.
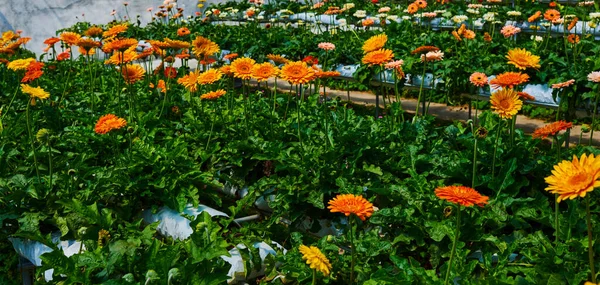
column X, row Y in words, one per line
column 580, row 181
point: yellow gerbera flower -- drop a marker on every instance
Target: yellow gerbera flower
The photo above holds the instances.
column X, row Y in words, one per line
column 571, row 179
column 315, row 259
column 506, row 103
column 36, row 92
column 523, row 59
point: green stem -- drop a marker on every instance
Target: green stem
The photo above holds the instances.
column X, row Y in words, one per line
column 314, row 279
column 421, row 89
column 50, row 165
column 593, row 118
column 456, row 235
column 13, row 98
column 556, row 221
column 350, row 223
column 474, row 162
column 212, row 125
column 37, row 171
column 496, row 148
column 590, row 244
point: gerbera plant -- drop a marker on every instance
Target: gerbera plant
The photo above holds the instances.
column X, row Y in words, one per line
column 351, row 205
column 461, row 196
column 376, row 55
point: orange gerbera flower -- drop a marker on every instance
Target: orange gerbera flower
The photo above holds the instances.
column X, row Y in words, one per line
column 563, row 84
column 63, row 55
column 278, row 59
column 573, row 23
column 183, row 31
column 487, row 37
column 525, row 96
column 119, row 58
column 93, row 31
column 175, row 44
column 226, row 69
column 34, row 71
column 87, row 43
column 108, row 123
column 534, row 17
column 351, row 204
column 374, row 43
column 70, row 38
column 551, row 129
column 230, row 56
column 242, row 67
column 119, row 45
column 551, row 15
column 115, row 30
column 421, row 3
column 461, row 195
column 412, row 8
column 424, row 49
column 571, row 179
column 202, row 47
column 190, row 81
column 133, row 73
column 378, row 57
column 325, row 74
column 506, row 103
column 573, row 38
column 209, row 77
column 509, row 79
column 478, row 79
column 213, row 95
column 162, row 86
column 456, row 36
column 51, row 41
column 297, row 72
column 523, row 59
column 264, row 71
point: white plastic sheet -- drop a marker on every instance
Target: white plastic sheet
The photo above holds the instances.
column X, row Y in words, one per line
column 172, row 224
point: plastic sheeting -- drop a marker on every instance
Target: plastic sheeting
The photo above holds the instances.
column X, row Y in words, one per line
column 172, row 224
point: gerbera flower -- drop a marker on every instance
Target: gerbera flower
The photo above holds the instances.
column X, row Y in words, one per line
column 310, row 60
column 478, row 79
column 162, row 86
column 378, row 57
column 51, row 41
column 175, row 44
column 509, row 79
column 34, row 71
column 132, row 73
column 367, row 22
column 34, row 92
column 170, row 72
column 93, row 32
column 571, row 179
column 461, row 195
column 523, row 59
column 119, row 58
column 506, row 103
column 326, row 74
column 424, row 49
column 87, row 43
column 412, row 8
column 190, row 81
column 278, row 59
column 487, row 37
column 456, row 36
column 534, row 17
column 525, row 96
column 572, row 23
column 70, row 38
column 183, row 31
column 115, row 30
column 351, row 204
column 551, row 129
column 108, row 123
column 594, row 76
column 394, row 64
column 213, row 95
column 230, row 56
column 374, row 43
column 551, row 15
column 203, row 47
column 119, row 45
column 315, row 259
column 326, row 46
column 20, row 64
column 421, row 3
column 297, row 72
column 264, row 71
column 509, row 30
column 209, row 77
column 432, row 56
column 63, row 55
column 242, row 67
column 573, row 38
column 563, row 84
column 226, row 69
